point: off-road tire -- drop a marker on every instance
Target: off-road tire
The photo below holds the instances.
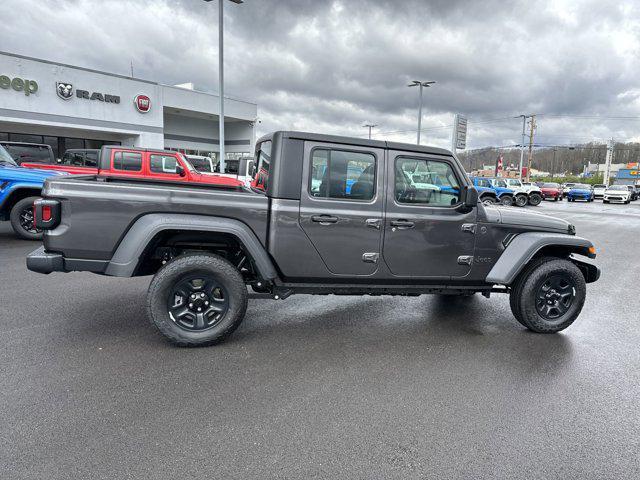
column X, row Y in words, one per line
column 525, row 291
column 14, row 216
column 488, row 200
column 521, row 200
column 506, row 200
column 175, row 271
column 535, row 199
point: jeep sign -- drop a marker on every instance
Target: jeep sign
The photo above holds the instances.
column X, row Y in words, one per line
column 142, row 103
column 19, row 84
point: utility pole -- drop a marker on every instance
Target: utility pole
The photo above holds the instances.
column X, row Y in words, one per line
column 553, row 162
column 420, row 84
column 607, row 166
column 532, row 124
column 524, row 122
column 369, row 126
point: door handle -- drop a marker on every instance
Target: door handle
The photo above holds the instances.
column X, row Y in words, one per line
column 402, row 224
column 324, row 219
column 373, row 223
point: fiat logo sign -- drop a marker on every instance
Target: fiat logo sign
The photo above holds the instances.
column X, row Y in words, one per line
column 142, row 103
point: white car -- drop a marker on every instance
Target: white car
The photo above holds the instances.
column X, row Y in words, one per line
column 532, row 193
column 598, row 190
column 617, row 194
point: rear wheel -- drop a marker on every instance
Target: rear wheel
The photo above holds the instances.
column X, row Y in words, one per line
column 535, row 199
column 506, row 200
column 549, row 295
column 22, row 220
column 197, row 300
column 521, row 200
column 488, row 201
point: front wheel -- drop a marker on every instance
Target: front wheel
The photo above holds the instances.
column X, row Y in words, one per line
column 535, row 199
column 22, row 220
column 488, row 201
column 197, row 300
column 506, row 200
column 521, row 200
column 549, row 295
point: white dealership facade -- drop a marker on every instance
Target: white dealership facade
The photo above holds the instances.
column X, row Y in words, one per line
column 67, row 106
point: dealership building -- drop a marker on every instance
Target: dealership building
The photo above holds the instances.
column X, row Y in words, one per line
column 67, row 107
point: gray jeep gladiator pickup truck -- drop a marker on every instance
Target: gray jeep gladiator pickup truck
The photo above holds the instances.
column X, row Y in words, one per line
column 324, row 215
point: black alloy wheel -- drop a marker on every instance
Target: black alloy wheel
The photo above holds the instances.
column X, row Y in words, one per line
column 521, row 200
column 197, row 302
column 22, row 220
column 555, row 296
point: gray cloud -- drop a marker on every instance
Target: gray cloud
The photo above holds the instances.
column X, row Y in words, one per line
column 331, row 65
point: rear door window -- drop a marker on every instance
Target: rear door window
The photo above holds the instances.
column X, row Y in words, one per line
column 127, row 161
column 342, row 174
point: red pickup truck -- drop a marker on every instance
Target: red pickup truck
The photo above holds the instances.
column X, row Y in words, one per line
column 138, row 163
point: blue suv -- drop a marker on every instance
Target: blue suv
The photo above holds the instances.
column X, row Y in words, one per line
column 489, row 193
column 19, row 188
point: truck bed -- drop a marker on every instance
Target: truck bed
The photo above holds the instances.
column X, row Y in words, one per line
column 97, row 211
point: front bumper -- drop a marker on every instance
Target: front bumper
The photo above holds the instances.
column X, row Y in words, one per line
column 616, row 198
column 44, row 262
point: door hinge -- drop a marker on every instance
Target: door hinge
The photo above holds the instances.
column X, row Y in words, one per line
column 370, row 257
column 465, row 260
column 469, row 227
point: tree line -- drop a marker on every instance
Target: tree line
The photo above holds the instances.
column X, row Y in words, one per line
column 558, row 160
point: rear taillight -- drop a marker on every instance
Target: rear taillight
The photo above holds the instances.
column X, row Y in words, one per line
column 46, row 213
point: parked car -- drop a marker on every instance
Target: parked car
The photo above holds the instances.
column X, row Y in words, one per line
column 598, row 190
column 384, row 236
column 19, row 188
column 532, row 192
column 634, row 192
column 551, row 191
column 580, row 191
column 490, row 193
column 140, row 163
column 29, row 152
column 566, row 187
column 617, row 194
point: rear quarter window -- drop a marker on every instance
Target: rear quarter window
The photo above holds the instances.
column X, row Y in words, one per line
column 127, row 161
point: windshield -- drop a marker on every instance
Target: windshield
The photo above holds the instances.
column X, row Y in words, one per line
column 514, row 182
column 618, row 187
column 260, row 178
column 29, row 153
column 199, row 164
column 581, row 186
column 5, row 158
column 550, row 185
column 599, row 186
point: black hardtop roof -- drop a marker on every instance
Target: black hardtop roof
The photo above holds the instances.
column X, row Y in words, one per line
column 360, row 142
column 138, row 149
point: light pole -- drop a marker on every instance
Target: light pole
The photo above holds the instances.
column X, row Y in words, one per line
column 524, row 123
column 417, row 83
column 221, row 78
column 369, row 126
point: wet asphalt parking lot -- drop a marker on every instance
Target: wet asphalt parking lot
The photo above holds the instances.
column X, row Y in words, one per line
column 323, row 387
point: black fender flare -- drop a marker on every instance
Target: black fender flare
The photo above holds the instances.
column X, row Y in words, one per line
column 125, row 260
column 525, row 245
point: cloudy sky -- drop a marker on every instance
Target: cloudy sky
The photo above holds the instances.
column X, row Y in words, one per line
column 331, row 66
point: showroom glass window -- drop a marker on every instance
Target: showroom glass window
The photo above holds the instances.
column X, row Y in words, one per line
column 163, row 164
column 128, row 161
column 342, row 174
column 426, row 182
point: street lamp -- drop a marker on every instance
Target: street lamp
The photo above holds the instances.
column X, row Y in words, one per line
column 417, row 83
column 221, row 77
column 369, row 126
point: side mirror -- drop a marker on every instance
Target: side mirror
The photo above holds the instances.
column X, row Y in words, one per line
column 180, row 170
column 252, row 170
column 470, row 197
column 58, row 160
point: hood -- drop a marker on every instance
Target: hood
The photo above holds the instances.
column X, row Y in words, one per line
column 511, row 216
column 21, row 174
column 214, row 179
